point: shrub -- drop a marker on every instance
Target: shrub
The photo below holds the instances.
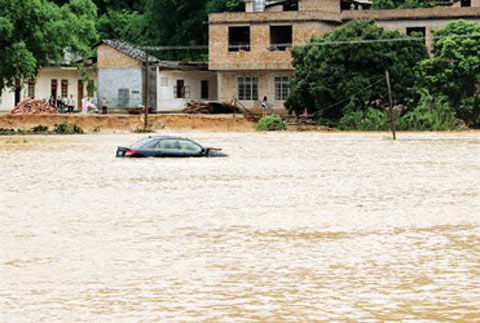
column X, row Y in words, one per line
column 431, row 114
column 66, row 129
column 272, row 122
column 371, row 119
column 40, row 129
column 143, row 130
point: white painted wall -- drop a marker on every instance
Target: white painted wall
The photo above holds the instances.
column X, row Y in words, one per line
column 167, row 80
column 43, row 85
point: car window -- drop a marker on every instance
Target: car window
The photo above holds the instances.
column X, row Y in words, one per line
column 140, row 143
column 189, row 146
column 167, row 144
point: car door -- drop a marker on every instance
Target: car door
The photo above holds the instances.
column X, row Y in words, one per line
column 190, row 148
column 168, row 148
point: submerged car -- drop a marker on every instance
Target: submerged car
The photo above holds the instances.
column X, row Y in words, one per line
column 167, row 146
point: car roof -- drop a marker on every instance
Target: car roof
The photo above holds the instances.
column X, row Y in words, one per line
column 168, row 137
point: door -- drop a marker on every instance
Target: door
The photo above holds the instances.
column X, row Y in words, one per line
column 190, row 149
column 80, row 94
column 168, row 148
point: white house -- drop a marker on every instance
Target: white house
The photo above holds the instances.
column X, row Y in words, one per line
column 54, row 80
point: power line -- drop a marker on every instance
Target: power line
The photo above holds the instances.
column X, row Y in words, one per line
column 319, row 43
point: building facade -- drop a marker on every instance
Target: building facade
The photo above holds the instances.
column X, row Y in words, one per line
column 250, row 51
column 58, row 81
column 121, row 79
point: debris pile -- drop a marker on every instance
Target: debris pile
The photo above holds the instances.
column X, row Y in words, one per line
column 210, row 108
column 32, row 106
column 138, row 111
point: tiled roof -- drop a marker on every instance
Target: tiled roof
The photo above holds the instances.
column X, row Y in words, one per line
column 140, row 55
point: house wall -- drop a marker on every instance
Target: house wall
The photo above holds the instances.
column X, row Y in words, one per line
column 260, row 57
column 43, row 86
column 319, row 5
column 112, row 79
column 110, row 57
column 228, row 87
column 167, row 80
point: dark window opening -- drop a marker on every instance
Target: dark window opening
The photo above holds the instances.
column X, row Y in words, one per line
column 466, row 3
column 417, row 32
column 53, row 88
column 290, row 5
column 280, row 38
column 31, row 89
column 205, row 90
column 239, row 39
column 180, row 89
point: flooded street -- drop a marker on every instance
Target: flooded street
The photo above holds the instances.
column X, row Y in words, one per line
column 292, row 226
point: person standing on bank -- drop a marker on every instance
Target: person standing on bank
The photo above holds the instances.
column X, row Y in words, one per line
column 264, row 106
column 70, row 103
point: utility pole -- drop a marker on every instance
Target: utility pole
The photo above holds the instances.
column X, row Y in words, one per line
column 147, row 89
column 392, row 120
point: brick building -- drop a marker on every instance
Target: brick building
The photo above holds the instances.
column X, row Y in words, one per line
column 250, row 51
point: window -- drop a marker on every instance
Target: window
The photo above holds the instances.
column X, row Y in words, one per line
column 204, row 90
column 420, row 31
column 31, row 89
column 64, row 88
column 53, row 88
column 181, row 91
column 466, row 3
column 280, row 38
column 170, row 144
column 91, row 88
column 290, row 5
column 282, row 88
column 189, row 146
column 248, row 88
column 239, row 39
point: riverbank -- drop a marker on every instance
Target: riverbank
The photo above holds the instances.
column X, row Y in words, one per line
column 127, row 123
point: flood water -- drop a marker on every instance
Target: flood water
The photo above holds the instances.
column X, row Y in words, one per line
column 292, row 226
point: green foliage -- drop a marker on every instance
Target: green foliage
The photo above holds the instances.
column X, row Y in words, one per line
column 143, row 130
column 370, row 119
column 66, row 129
column 271, row 122
column 454, row 69
column 60, row 129
column 332, row 78
column 40, row 129
column 433, row 114
column 402, row 4
column 35, row 33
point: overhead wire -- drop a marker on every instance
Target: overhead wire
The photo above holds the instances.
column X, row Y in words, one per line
column 319, row 43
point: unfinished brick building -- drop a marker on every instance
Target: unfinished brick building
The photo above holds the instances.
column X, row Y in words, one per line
column 250, row 51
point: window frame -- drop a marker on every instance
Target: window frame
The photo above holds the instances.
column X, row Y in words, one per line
column 280, row 47
column 282, row 87
column 250, row 88
column 243, row 47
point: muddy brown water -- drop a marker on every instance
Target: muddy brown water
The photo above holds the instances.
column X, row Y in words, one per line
column 292, row 226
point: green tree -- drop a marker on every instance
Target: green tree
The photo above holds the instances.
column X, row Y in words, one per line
column 182, row 23
column 36, row 33
column 402, row 4
column 333, row 78
column 454, row 69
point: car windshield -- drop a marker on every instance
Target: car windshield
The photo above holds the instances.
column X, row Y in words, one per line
column 140, row 143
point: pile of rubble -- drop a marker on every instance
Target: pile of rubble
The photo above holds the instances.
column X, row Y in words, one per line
column 32, row 106
column 210, row 108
